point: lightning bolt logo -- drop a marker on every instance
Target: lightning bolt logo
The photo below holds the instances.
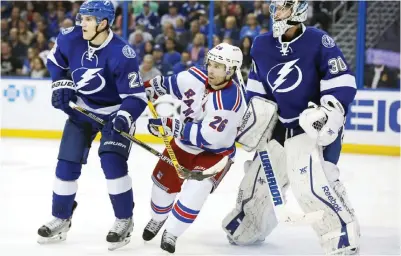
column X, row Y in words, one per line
column 284, row 71
column 87, row 76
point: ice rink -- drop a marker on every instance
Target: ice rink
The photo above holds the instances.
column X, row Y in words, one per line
column 26, row 180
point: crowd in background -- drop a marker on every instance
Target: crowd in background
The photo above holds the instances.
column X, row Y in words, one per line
column 168, row 37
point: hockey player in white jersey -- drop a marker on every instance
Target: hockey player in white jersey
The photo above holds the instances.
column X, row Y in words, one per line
column 204, row 133
column 303, row 71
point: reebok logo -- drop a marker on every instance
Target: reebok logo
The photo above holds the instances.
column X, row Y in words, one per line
column 331, row 199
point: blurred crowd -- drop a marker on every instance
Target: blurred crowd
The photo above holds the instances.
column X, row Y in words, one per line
column 168, row 37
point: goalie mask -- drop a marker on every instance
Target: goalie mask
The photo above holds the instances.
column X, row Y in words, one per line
column 286, row 14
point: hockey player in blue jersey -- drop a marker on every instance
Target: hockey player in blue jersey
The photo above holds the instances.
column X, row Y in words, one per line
column 96, row 69
column 303, row 71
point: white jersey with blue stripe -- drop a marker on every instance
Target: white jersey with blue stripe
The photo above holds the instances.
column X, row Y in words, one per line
column 211, row 117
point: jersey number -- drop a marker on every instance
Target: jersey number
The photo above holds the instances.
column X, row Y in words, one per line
column 133, row 78
column 337, row 65
column 218, row 124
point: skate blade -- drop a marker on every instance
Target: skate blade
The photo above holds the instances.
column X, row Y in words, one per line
column 54, row 239
column 114, row 246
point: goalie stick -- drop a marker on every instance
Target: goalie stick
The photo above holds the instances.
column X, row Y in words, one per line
column 282, row 213
column 187, row 174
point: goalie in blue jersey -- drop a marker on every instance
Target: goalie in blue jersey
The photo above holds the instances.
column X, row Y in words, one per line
column 94, row 68
column 305, row 74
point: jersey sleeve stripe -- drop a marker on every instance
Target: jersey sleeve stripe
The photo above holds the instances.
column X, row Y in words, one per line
column 174, row 86
column 345, row 80
column 238, row 101
column 197, row 76
column 219, row 100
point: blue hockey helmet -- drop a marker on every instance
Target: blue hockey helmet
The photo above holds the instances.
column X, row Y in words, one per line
column 298, row 13
column 101, row 9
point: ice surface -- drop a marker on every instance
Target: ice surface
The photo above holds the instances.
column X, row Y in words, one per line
column 26, row 180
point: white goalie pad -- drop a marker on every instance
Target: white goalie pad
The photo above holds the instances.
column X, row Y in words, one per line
column 257, row 124
column 316, row 187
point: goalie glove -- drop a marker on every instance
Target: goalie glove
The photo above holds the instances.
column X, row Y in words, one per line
column 323, row 122
column 155, row 88
column 172, row 127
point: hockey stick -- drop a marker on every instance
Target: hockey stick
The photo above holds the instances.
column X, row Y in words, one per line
column 170, row 151
column 282, row 213
column 187, row 173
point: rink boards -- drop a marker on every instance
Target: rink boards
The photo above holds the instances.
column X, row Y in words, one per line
column 372, row 127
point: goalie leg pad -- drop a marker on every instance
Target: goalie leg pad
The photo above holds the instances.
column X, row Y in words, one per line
column 253, row 217
column 316, row 187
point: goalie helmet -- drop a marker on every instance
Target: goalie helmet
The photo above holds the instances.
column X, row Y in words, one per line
column 229, row 55
column 298, row 14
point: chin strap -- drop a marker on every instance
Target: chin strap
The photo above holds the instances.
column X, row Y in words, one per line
column 98, row 32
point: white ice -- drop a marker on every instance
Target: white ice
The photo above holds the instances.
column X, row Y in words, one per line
column 26, row 179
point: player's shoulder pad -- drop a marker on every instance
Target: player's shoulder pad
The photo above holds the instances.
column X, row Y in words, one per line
column 121, row 49
column 228, row 98
column 260, row 42
column 199, row 73
column 69, row 35
column 318, row 35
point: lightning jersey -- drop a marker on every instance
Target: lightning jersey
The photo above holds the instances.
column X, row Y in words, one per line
column 294, row 73
column 106, row 77
column 211, row 117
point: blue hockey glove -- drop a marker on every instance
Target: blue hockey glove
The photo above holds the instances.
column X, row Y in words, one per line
column 63, row 92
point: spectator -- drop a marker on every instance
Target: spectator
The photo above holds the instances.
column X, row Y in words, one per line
column 51, row 20
column 263, row 30
column 41, row 27
column 245, row 47
column 171, row 56
column 190, row 8
column 67, row 23
column 180, row 27
column 239, row 15
column 15, row 17
column 158, row 61
column 197, row 49
column 4, row 29
column 26, row 66
column 147, row 70
column 138, row 6
column 41, row 42
column 10, row 65
column 184, row 64
column 252, row 28
column 264, row 17
column 257, row 8
column 74, row 10
column 228, row 40
column 188, row 36
column 138, row 43
column 172, row 15
column 150, row 20
column 204, row 24
column 25, row 36
column 216, row 40
column 230, row 30
column 38, row 68
column 43, row 54
column 160, row 39
column 18, row 49
column 220, row 18
column 149, row 47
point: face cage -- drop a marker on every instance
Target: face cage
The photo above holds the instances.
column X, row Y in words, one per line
column 281, row 26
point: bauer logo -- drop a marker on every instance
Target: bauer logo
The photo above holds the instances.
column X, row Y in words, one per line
column 374, row 115
column 114, row 143
column 331, row 199
column 271, row 179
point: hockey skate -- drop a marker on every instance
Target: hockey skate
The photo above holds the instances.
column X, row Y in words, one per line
column 55, row 230
column 168, row 242
column 120, row 234
column 151, row 229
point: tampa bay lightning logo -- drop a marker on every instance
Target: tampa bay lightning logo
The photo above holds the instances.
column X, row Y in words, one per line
column 284, row 77
column 88, row 80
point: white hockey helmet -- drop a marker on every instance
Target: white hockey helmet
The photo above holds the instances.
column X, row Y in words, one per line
column 229, row 55
column 299, row 14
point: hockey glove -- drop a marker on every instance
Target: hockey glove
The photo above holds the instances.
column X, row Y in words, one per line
column 172, row 127
column 123, row 122
column 324, row 122
column 63, row 92
column 155, row 88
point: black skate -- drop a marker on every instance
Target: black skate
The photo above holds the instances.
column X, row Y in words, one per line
column 152, row 228
column 168, row 242
column 55, row 230
column 120, row 234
